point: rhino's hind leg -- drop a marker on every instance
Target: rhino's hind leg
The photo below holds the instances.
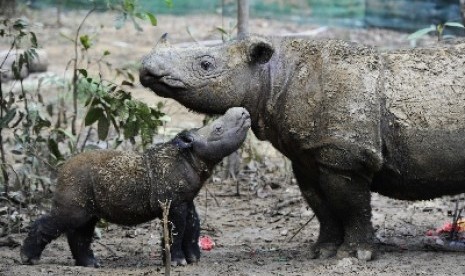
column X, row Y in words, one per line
column 190, row 242
column 331, row 231
column 42, row 232
column 349, row 196
column 79, row 240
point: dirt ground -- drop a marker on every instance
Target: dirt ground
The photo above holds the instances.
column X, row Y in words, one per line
column 267, row 230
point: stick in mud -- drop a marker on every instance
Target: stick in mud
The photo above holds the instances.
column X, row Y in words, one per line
column 165, row 206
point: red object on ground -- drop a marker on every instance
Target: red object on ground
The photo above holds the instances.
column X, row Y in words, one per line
column 206, row 243
column 447, row 228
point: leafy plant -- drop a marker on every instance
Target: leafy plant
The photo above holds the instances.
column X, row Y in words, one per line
column 439, row 29
column 128, row 10
column 109, row 105
column 18, row 111
column 28, row 138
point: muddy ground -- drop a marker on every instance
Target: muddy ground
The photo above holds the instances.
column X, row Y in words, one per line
column 267, row 230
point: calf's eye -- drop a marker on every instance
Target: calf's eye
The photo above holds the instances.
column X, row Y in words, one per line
column 218, row 129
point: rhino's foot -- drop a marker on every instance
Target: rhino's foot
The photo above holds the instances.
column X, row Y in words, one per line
column 177, row 257
column 192, row 258
column 323, row 250
column 27, row 260
column 192, row 253
column 88, row 262
column 178, row 262
column 363, row 252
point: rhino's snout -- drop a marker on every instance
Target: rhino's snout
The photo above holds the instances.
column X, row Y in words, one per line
column 156, row 76
column 146, row 77
column 242, row 116
column 245, row 116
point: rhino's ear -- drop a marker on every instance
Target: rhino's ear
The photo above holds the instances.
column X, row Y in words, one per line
column 183, row 140
column 260, row 52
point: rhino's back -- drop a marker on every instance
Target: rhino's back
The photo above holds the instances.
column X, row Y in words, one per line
column 109, row 183
column 423, row 125
column 425, row 88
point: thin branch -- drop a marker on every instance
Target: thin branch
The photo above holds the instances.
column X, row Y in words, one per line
column 302, row 227
column 165, row 206
column 2, row 149
column 75, row 71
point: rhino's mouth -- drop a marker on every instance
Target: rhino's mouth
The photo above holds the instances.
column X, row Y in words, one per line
column 161, row 85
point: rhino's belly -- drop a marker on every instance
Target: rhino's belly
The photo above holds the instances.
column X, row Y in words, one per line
column 122, row 200
column 422, row 164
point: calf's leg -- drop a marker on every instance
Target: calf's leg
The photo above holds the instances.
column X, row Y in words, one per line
column 42, row 232
column 79, row 240
column 190, row 241
column 177, row 216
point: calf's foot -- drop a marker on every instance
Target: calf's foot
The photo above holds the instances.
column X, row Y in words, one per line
column 192, row 253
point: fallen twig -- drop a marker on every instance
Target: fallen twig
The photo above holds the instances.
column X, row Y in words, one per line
column 302, row 227
column 108, row 248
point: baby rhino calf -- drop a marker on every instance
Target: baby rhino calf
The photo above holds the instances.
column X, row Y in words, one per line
column 126, row 188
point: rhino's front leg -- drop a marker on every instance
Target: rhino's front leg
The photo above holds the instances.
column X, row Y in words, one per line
column 349, row 196
column 331, row 230
column 177, row 217
column 190, row 242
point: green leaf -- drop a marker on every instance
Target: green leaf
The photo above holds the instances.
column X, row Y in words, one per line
column 94, row 114
column 221, row 30
column 421, row 32
column 454, row 24
column 103, row 127
column 85, row 41
column 152, row 18
column 131, row 77
column 169, row 3
column 129, row 6
column 33, row 40
column 5, row 120
column 83, row 72
column 125, row 82
column 53, row 147
column 131, row 129
column 40, row 123
column 106, row 53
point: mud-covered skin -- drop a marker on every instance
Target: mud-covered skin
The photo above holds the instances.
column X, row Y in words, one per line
column 127, row 188
column 351, row 119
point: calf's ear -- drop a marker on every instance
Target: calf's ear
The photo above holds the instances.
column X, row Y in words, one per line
column 260, row 51
column 183, row 140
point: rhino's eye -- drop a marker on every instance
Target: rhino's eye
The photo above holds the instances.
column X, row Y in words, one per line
column 218, row 130
column 206, row 65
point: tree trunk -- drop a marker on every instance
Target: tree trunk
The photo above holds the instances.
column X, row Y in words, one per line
column 7, row 8
column 462, row 10
column 242, row 18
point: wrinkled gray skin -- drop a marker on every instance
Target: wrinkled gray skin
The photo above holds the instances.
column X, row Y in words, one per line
column 126, row 188
column 350, row 118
